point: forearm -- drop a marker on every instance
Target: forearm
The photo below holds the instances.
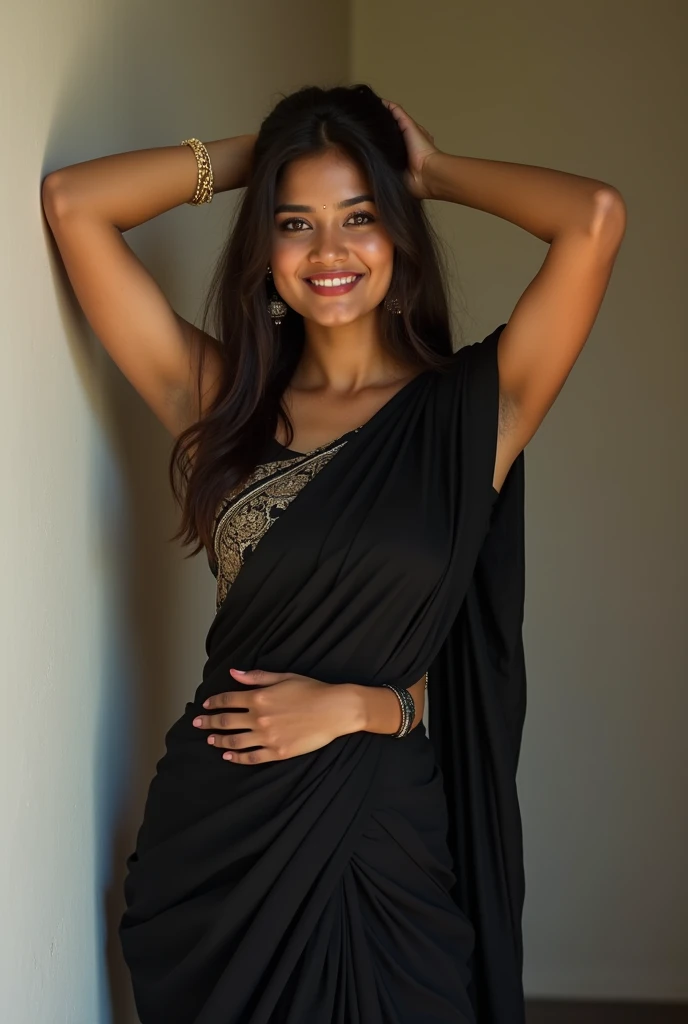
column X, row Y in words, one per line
column 376, row 708
column 127, row 189
column 544, row 202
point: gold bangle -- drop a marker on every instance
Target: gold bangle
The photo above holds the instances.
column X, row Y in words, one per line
column 204, row 184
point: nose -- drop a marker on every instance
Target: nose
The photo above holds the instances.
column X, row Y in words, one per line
column 328, row 246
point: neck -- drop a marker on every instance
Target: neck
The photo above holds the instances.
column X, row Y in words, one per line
column 346, row 357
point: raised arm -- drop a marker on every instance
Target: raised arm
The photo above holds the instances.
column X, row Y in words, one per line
column 583, row 220
column 88, row 207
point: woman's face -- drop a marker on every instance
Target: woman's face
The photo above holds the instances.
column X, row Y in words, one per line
column 326, row 229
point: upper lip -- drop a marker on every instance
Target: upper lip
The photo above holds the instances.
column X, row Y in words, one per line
column 333, row 273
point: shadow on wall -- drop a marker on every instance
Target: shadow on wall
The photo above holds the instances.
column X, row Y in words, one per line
column 140, row 652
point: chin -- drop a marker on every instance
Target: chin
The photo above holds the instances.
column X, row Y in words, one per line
column 336, row 318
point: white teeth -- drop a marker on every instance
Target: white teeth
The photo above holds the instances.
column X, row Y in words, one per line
column 332, row 282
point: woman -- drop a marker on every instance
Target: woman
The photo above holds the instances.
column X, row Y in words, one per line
column 308, row 852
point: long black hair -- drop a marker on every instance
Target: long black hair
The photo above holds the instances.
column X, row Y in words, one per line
column 213, row 456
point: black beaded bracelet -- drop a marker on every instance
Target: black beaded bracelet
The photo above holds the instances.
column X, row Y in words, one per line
column 408, row 710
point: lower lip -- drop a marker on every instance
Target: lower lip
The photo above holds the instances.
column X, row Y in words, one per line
column 340, row 289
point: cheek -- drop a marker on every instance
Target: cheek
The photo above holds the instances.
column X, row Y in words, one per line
column 284, row 259
column 376, row 250
column 378, row 255
column 379, row 251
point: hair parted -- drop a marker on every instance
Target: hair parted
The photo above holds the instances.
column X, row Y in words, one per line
column 213, row 456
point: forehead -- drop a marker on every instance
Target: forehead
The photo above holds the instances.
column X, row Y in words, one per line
column 329, row 176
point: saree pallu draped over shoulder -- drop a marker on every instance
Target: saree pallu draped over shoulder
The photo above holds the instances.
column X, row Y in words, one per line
column 375, row 880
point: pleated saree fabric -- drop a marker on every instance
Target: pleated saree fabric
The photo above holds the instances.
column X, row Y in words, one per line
column 375, row 880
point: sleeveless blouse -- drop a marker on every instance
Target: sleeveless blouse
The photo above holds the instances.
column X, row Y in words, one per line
column 246, row 514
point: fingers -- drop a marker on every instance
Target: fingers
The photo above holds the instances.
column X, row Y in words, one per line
column 257, row 676
column 251, row 703
column 238, row 752
column 402, row 115
column 233, row 742
column 251, row 677
column 226, row 700
column 395, row 109
column 237, row 743
column 227, row 720
column 251, row 757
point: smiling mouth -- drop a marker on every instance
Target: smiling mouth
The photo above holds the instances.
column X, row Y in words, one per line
column 333, row 285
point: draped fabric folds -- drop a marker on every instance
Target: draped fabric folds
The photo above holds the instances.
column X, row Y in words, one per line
column 373, row 881
column 477, row 706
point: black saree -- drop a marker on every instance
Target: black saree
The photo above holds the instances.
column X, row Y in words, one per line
column 373, row 881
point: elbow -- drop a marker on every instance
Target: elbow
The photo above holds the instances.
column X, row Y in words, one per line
column 609, row 214
column 53, row 196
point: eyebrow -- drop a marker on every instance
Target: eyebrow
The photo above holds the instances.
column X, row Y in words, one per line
column 293, row 208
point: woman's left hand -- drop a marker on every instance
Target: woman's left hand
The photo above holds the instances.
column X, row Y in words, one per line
column 419, row 146
column 288, row 715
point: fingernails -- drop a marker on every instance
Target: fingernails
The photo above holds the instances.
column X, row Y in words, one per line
column 240, row 671
column 206, row 703
column 198, row 721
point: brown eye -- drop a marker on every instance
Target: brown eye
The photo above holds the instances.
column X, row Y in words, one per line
column 284, row 226
column 368, row 218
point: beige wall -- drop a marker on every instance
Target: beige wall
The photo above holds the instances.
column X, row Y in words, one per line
column 103, row 620
column 595, row 87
